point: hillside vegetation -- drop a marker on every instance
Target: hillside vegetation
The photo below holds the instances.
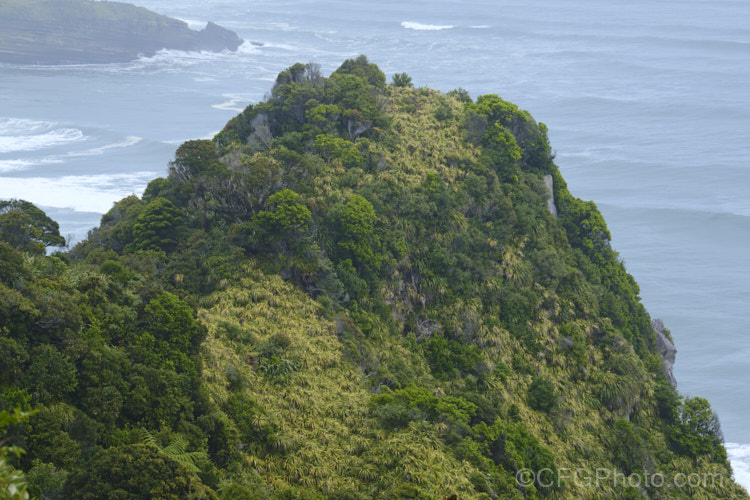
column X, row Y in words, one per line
column 355, row 290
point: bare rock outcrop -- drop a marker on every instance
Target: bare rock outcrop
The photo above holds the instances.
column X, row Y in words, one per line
column 666, row 348
column 550, row 183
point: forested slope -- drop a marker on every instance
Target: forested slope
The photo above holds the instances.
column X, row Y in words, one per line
column 356, row 290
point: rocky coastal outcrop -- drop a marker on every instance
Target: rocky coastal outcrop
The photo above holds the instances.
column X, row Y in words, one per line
column 666, row 348
column 54, row 32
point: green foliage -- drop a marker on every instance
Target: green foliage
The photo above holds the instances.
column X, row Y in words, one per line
column 46, row 481
column 322, row 115
column 170, row 333
column 397, row 408
column 667, row 400
column 12, row 266
column 449, row 358
column 363, row 69
column 698, row 431
column 335, row 148
column 358, row 218
column 193, row 158
column 357, row 221
column 402, row 80
column 514, row 448
column 277, row 366
column 49, row 437
column 461, row 94
column 586, row 227
column 502, row 141
column 134, row 471
column 443, row 112
column 157, row 227
column 542, row 395
column 50, row 376
column 13, row 358
column 12, row 482
column 499, row 111
column 632, row 451
column 27, row 228
column 513, row 136
column 177, row 451
column 154, row 188
column 287, row 214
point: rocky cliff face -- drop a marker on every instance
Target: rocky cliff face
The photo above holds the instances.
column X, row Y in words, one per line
column 90, row 32
column 666, row 348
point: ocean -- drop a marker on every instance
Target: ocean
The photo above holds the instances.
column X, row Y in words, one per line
column 647, row 105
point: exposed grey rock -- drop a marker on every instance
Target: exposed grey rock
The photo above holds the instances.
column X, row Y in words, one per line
column 666, row 348
column 91, row 32
column 260, row 138
column 566, row 343
column 551, row 201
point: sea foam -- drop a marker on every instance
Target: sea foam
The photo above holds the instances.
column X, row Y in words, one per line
column 7, row 166
column 10, row 143
column 21, row 134
column 172, row 58
column 234, row 103
column 739, row 456
column 125, row 143
column 424, row 27
column 22, row 126
column 193, row 24
column 83, row 193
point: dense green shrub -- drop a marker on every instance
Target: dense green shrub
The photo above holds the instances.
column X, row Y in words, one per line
column 449, row 358
column 542, row 395
column 402, row 80
column 26, row 227
column 157, row 227
column 134, row 471
column 698, row 431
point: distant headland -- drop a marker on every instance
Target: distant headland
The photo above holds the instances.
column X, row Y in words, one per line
column 52, row 32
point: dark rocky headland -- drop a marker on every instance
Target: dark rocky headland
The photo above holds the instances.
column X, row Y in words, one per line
column 94, row 32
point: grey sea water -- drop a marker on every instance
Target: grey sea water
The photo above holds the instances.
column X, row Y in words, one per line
column 647, row 104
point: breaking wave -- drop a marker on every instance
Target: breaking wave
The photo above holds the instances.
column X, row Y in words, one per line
column 424, row 27
column 29, row 135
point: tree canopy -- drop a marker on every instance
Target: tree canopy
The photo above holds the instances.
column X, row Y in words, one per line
column 26, row 227
column 135, row 471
